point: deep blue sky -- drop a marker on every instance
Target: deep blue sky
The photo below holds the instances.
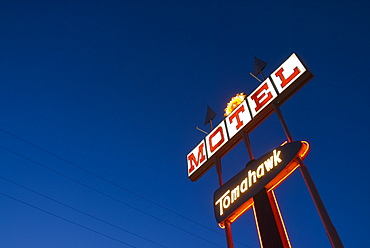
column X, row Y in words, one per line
column 116, row 88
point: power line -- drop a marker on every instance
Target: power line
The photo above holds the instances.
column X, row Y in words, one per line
column 108, row 181
column 69, row 221
column 106, row 195
column 115, row 184
column 77, row 210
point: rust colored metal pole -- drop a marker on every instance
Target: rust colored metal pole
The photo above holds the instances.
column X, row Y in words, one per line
column 248, row 145
column 282, row 121
column 229, row 237
column 268, row 221
column 219, row 171
column 331, row 232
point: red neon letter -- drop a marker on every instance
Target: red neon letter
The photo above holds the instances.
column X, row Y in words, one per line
column 285, row 81
column 260, row 97
column 236, row 115
column 214, row 147
column 193, row 161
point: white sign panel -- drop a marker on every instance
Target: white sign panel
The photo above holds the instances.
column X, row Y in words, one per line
column 280, row 85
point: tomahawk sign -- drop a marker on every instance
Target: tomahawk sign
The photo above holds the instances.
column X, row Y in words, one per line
column 277, row 88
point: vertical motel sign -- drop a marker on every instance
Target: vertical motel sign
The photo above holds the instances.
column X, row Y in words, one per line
column 287, row 79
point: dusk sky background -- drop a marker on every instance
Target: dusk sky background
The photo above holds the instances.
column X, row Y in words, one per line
column 100, row 100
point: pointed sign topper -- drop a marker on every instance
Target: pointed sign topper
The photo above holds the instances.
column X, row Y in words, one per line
column 259, row 65
column 209, row 116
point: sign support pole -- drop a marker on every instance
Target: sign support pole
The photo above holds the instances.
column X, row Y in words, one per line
column 247, row 143
column 268, row 221
column 229, row 238
column 282, row 122
column 331, row 232
column 268, row 224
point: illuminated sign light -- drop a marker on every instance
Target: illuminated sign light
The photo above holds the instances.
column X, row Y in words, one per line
column 251, row 178
column 236, row 196
column 234, row 102
column 278, row 87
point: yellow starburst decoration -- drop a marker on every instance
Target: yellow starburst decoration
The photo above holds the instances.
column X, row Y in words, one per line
column 234, row 102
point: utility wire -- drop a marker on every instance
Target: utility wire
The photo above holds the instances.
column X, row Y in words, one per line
column 106, row 195
column 77, row 210
column 108, row 181
column 69, row 221
column 115, row 184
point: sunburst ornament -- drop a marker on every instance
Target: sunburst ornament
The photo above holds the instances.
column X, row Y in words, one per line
column 234, row 102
